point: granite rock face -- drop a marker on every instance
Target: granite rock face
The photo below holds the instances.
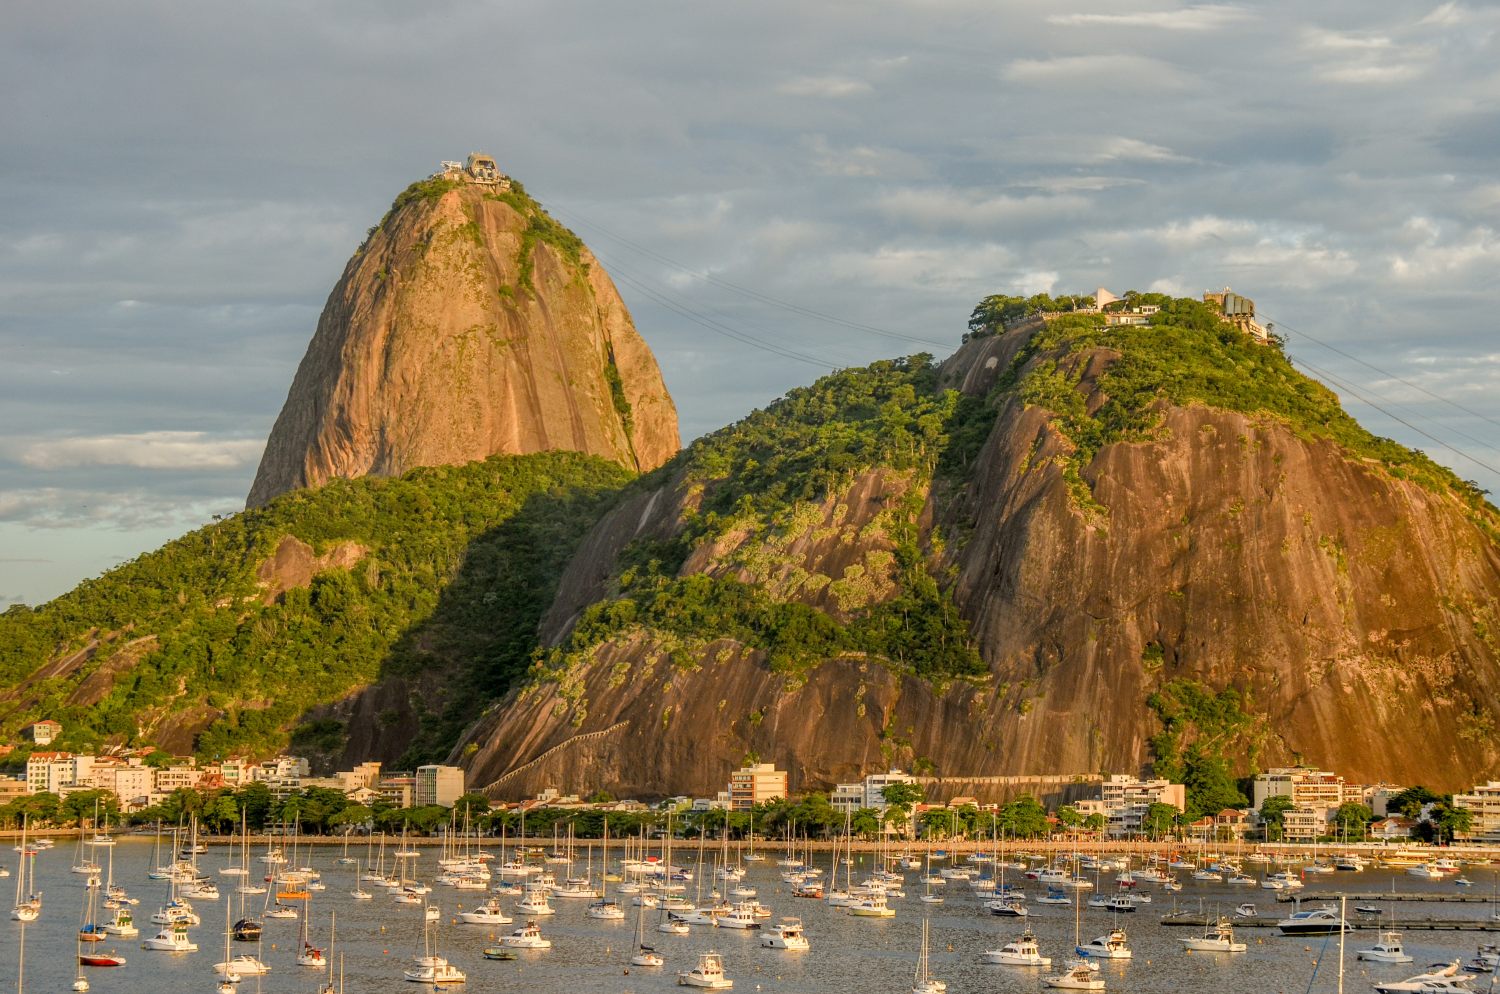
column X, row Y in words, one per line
column 466, row 326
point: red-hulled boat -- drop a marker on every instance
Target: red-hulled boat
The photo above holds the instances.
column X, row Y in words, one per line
column 101, row 959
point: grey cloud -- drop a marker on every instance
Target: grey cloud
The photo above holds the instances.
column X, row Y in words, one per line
column 183, row 188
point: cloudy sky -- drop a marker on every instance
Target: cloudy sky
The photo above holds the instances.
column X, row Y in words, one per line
column 779, row 188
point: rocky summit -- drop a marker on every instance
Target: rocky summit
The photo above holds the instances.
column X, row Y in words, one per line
column 469, row 324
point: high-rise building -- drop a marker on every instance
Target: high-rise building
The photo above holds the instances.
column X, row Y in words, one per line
column 438, row 785
column 754, row 785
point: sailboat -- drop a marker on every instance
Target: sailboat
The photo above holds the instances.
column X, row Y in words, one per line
column 644, row 955
column 28, row 907
column 307, row 953
column 924, row 982
column 234, row 967
column 604, row 908
column 429, row 967
column 1081, row 974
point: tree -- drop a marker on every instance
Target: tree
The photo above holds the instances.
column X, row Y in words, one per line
column 1159, row 819
column 900, row 798
column 1069, row 816
column 1273, row 815
column 1451, row 821
column 865, row 822
column 1210, row 788
column 1352, row 817
column 1412, row 800
column 1024, row 818
column 1095, row 822
column 472, row 805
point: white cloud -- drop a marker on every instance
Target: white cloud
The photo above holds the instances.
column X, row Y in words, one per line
column 145, row 450
column 944, row 207
column 1122, row 149
column 1117, row 70
column 1200, row 17
column 826, row 87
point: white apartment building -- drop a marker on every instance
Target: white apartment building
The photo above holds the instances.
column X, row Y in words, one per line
column 1309, row 789
column 1124, row 801
column 848, row 797
column 49, row 772
column 1483, row 805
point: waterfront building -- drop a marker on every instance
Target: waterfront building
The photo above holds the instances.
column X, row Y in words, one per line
column 1124, row 801
column 1483, row 805
column 755, row 784
column 1309, row 789
column 868, row 792
column 48, row 771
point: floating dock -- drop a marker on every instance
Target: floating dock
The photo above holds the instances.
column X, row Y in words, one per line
column 1371, row 925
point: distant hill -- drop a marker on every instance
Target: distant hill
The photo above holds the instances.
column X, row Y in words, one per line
column 368, row 619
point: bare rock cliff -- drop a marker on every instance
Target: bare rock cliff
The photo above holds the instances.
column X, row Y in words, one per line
column 469, row 324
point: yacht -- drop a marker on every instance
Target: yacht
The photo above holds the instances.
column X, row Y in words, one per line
column 1318, row 921
column 436, row 972
column 528, row 936
column 1081, row 975
column 1117, row 903
column 787, row 934
column 741, row 915
column 1018, row 952
column 243, row 965
column 122, row 924
column 488, row 913
column 1387, row 950
column 1442, row 979
column 873, row 906
column 1219, row 938
column 535, row 901
column 1009, row 906
column 1110, row 946
column 708, row 973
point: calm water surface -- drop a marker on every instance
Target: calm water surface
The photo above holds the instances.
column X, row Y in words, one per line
column 376, row 939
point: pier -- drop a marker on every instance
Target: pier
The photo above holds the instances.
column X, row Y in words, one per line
column 1372, row 925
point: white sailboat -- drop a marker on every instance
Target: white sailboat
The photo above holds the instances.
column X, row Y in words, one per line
column 923, row 982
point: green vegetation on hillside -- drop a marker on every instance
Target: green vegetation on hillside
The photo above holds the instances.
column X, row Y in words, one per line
column 1186, row 355
column 460, row 564
column 754, row 476
column 1200, row 731
column 540, row 227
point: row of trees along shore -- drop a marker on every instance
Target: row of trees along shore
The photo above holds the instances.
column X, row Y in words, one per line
column 321, row 811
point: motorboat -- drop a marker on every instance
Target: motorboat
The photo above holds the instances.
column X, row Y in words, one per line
column 172, row 939
column 243, row 965
column 1116, row 903
column 1023, row 951
column 1109, row 946
column 1387, row 950
column 438, row 971
column 248, row 930
column 1080, row 975
column 1010, row 906
column 741, row 915
column 1247, row 910
column 528, row 936
column 1437, row 981
column 1219, row 938
column 488, row 913
column 872, row 906
column 1318, row 921
column 785, row 934
column 122, row 924
column 709, row 973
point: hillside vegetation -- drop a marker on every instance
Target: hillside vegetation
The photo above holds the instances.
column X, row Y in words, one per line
column 458, row 563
